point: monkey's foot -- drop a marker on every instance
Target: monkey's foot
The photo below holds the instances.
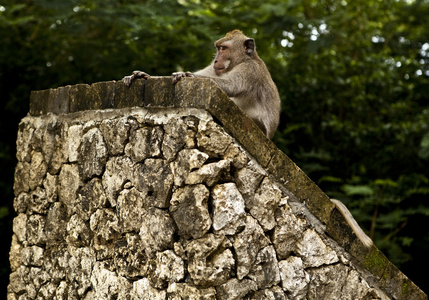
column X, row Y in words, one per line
column 136, row 74
column 175, row 77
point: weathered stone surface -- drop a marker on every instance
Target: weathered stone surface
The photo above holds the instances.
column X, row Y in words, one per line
column 106, row 283
column 182, row 291
column 78, row 232
column 52, row 145
column 22, row 177
column 166, row 268
column 274, row 293
column 15, row 254
column 104, row 223
column 80, row 267
column 131, row 207
column 36, row 230
column 294, row 179
column 329, row 282
column 56, row 221
column 212, row 139
column 118, row 171
column 129, row 257
column 313, row 251
column 90, row 198
column 72, row 143
column 18, row 284
column 144, row 142
column 190, row 211
column 37, row 202
column 115, row 133
column 50, row 184
column 174, row 138
column 143, row 290
column 210, row 174
column 38, row 168
column 92, row 146
column 32, row 256
column 21, row 202
column 187, row 160
column 228, row 209
column 236, row 289
column 69, row 183
column 265, row 270
column 154, row 222
column 209, row 263
column 247, row 245
column 287, row 232
column 236, row 156
column 155, row 180
column 23, row 144
column 264, row 204
column 247, row 181
column 294, row 278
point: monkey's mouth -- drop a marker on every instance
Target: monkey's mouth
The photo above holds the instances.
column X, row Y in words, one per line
column 219, row 70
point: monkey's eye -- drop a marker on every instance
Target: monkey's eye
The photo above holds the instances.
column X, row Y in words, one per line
column 222, row 48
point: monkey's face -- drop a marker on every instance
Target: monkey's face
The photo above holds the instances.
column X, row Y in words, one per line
column 222, row 60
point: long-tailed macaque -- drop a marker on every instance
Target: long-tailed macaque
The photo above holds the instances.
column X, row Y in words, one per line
column 243, row 76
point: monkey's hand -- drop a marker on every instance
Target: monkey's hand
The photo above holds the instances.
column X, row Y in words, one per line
column 175, row 77
column 136, row 74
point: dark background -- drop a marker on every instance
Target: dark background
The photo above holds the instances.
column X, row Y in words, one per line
column 353, row 77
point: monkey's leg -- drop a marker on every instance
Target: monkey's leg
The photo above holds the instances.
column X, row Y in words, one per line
column 136, row 74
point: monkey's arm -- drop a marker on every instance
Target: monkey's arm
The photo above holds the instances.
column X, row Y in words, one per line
column 136, row 74
column 366, row 240
column 232, row 83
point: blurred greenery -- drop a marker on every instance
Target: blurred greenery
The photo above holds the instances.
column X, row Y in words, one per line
column 353, row 77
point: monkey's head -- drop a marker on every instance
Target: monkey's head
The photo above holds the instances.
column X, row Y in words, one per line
column 232, row 50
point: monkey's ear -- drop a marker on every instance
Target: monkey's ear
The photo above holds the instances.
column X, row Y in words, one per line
column 249, row 46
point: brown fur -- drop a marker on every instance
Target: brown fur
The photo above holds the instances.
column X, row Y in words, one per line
column 239, row 71
column 243, row 76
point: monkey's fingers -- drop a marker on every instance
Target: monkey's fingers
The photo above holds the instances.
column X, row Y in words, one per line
column 175, row 77
column 128, row 80
column 141, row 74
column 136, row 74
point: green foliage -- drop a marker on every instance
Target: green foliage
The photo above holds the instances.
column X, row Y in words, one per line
column 353, row 77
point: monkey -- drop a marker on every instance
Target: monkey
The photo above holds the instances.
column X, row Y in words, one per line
column 243, row 76
column 366, row 240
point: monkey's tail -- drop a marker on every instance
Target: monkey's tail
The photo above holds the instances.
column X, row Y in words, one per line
column 366, row 240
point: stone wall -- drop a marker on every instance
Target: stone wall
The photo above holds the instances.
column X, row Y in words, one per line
column 174, row 199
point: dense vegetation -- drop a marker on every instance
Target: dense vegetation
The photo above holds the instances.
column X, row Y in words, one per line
column 353, row 77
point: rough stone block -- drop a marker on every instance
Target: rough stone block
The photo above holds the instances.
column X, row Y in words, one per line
column 193, row 92
column 159, row 92
column 58, row 102
column 39, row 102
column 129, row 96
column 103, row 94
column 228, row 209
column 189, row 208
column 80, row 98
column 209, row 263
